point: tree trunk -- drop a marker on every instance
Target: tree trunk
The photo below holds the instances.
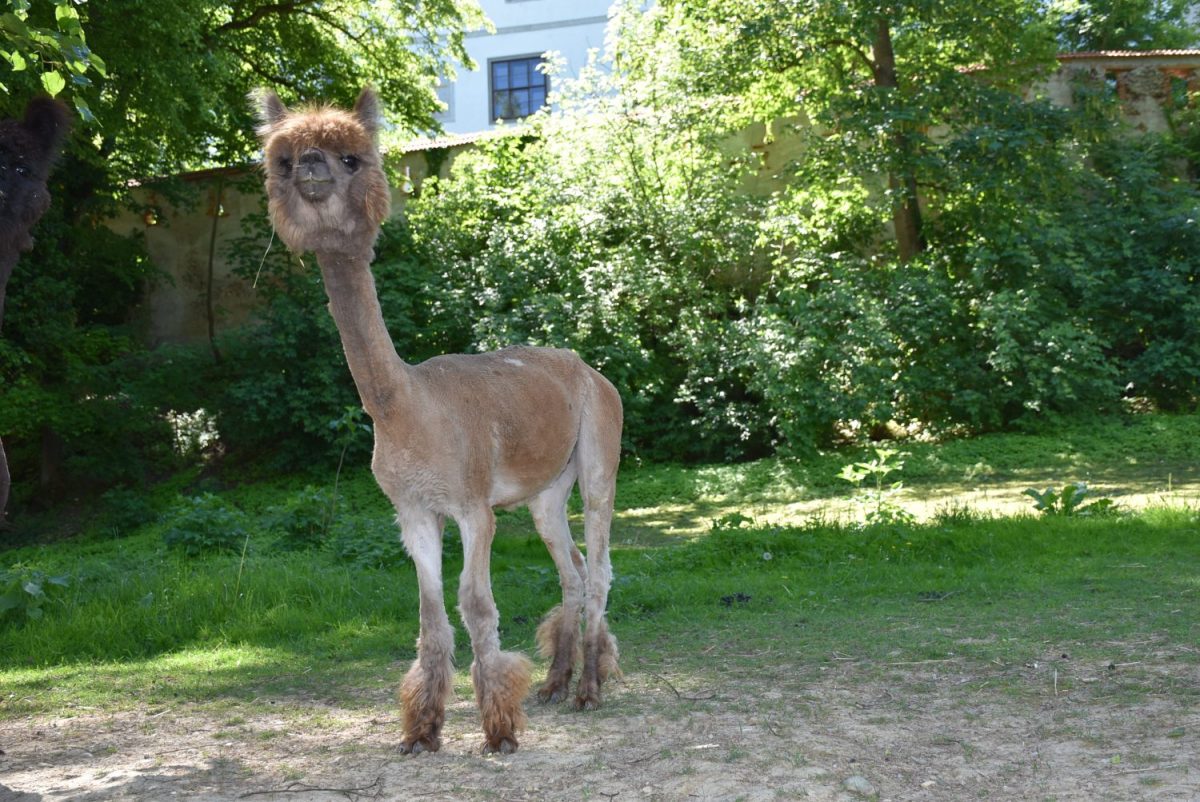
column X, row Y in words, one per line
column 5, row 483
column 212, row 255
column 906, row 213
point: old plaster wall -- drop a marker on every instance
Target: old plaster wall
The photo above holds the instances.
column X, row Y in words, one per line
column 183, row 235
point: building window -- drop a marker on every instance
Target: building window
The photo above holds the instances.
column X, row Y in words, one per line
column 518, row 88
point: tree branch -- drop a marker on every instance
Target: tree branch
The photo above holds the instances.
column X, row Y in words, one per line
column 260, row 13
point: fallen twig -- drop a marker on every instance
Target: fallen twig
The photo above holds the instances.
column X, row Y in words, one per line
column 1149, row 768
column 373, row 791
column 685, row 696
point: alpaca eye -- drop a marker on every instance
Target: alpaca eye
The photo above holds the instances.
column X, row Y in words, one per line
column 351, row 162
column 21, row 170
column 285, row 164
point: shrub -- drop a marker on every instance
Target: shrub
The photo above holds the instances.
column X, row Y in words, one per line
column 25, row 591
column 303, row 522
column 368, row 543
column 207, row 524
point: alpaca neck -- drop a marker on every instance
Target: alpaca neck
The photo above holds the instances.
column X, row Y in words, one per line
column 379, row 373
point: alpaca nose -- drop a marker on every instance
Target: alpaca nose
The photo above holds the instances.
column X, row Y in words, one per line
column 312, row 156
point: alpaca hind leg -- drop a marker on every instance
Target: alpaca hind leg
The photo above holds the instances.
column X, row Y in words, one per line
column 428, row 683
column 501, row 679
column 598, row 454
column 599, row 646
column 558, row 635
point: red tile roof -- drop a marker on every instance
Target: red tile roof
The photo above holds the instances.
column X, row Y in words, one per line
column 455, row 140
column 1095, row 54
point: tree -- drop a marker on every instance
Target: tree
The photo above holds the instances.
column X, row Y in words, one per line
column 876, row 80
column 176, row 75
column 60, row 55
column 1126, row 24
column 167, row 94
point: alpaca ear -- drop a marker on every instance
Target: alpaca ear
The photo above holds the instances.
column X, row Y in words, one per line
column 368, row 110
column 269, row 108
column 48, row 121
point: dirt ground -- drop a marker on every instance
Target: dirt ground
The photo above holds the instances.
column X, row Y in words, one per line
column 831, row 729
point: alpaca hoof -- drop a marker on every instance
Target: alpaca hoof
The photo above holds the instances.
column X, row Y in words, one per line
column 587, row 702
column 419, row 745
column 552, row 694
column 505, row 746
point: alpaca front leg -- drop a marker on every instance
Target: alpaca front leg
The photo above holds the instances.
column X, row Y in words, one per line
column 501, row 679
column 428, row 684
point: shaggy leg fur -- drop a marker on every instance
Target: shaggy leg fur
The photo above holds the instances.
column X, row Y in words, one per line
column 558, row 642
column 423, row 695
column 599, row 663
column 501, row 685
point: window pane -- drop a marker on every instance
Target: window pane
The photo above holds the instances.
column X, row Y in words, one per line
column 520, row 73
column 536, row 76
column 537, row 98
column 500, row 74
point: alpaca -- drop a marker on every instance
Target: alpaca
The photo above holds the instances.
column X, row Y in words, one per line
column 455, row 437
column 28, row 148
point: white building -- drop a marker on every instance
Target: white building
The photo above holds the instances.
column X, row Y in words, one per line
column 507, row 84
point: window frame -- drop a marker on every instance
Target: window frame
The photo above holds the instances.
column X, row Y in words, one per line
column 538, row 59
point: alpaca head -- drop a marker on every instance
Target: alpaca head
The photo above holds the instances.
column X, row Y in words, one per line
column 326, row 189
column 27, row 150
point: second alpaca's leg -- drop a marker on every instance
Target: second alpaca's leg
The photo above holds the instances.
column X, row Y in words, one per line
column 558, row 635
column 501, row 679
column 428, row 684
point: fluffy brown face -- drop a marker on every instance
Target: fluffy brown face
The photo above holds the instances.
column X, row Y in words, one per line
column 326, row 189
column 27, row 150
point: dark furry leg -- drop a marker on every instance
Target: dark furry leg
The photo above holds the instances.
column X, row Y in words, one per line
column 558, row 641
column 599, row 663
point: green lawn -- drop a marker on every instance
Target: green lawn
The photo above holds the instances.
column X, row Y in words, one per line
column 703, row 564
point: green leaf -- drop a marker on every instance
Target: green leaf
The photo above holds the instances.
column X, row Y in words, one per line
column 11, row 601
column 14, row 24
column 81, row 106
column 53, row 82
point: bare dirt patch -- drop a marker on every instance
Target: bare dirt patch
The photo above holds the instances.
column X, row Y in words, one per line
column 836, row 729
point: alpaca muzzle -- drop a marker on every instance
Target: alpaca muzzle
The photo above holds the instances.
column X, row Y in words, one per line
column 313, row 175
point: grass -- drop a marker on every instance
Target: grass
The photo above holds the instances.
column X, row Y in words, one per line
column 707, row 587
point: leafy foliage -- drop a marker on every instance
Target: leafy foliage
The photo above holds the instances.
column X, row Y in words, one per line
column 207, row 523
column 25, row 591
column 303, row 521
column 1069, row 501
column 60, row 55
